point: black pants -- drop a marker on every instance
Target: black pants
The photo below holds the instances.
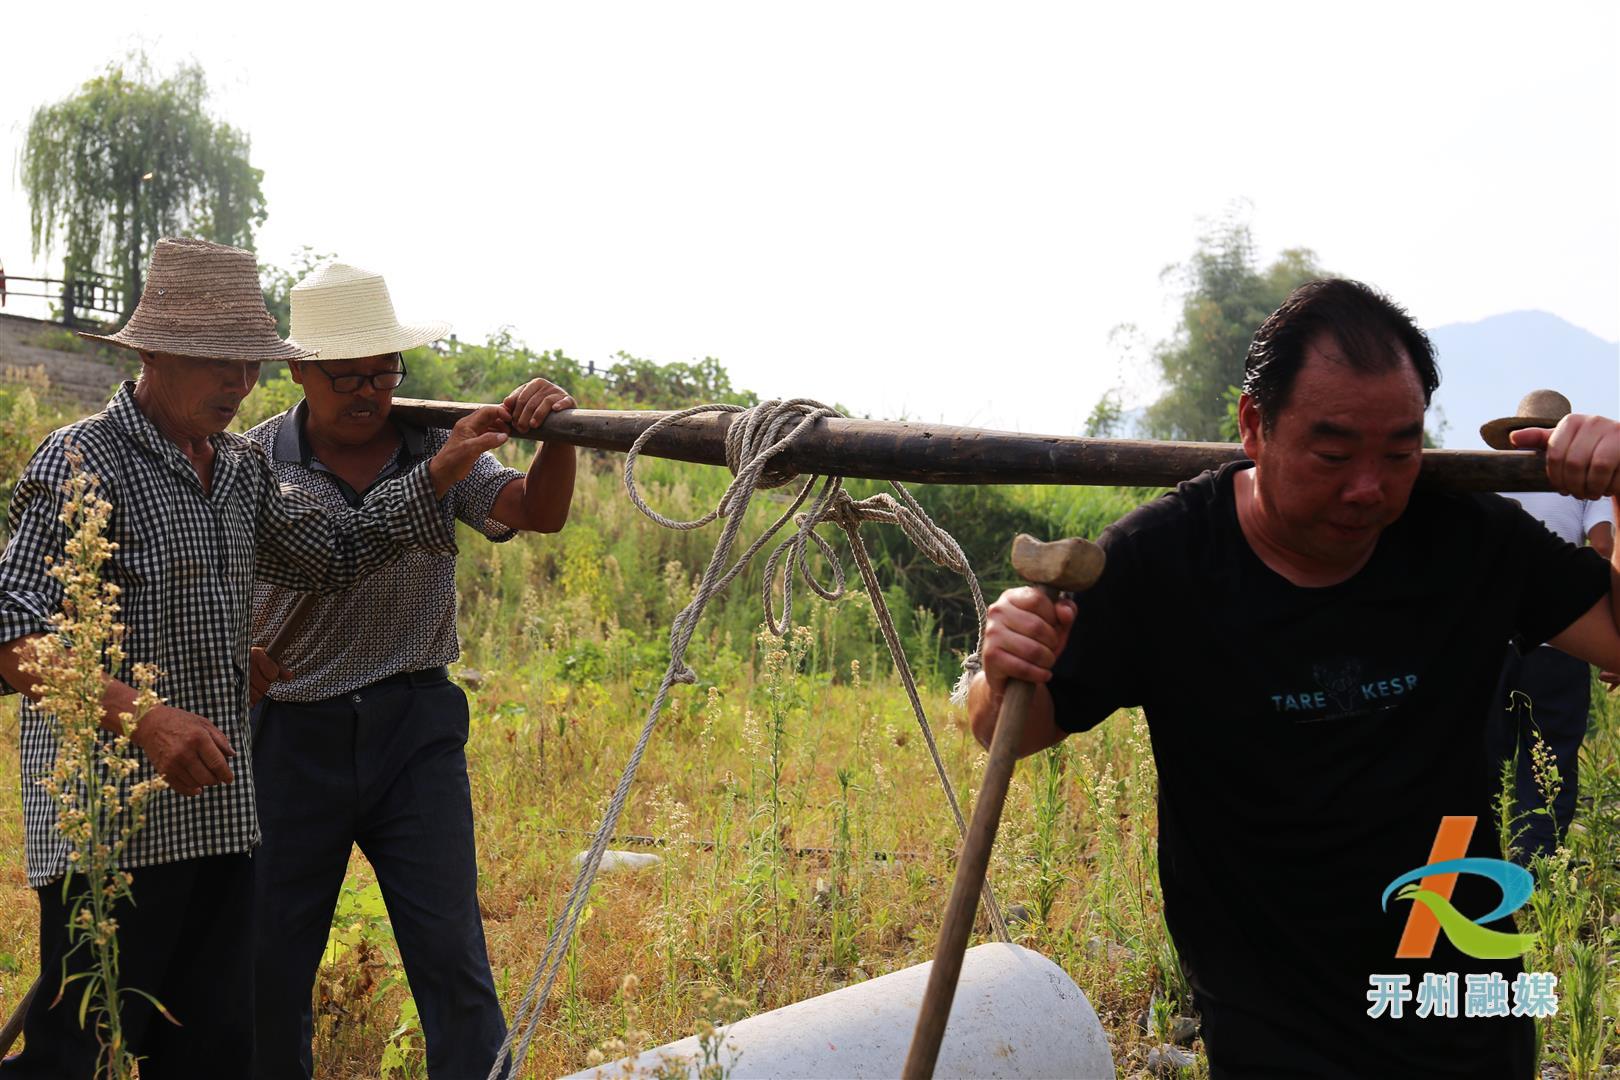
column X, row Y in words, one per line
column 1549, row 692
column 186, row 941
column 385, row 768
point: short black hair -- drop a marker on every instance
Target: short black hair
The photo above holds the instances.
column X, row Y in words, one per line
column 1369, row 328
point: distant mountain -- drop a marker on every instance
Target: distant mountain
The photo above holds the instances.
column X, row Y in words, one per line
column 1487, row 366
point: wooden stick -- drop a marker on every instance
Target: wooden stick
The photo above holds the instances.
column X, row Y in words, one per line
column 14, row 1024
column 296, row 618
column 942, row 454
column 971, row 871
column 1074, row 565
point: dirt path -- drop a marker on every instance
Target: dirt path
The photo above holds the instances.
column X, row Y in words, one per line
column 82, row 374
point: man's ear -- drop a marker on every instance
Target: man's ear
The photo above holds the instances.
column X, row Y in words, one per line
column 1249, row 425
column 295, row 368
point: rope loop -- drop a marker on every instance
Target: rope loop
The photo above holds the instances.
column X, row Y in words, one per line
column 753, row 442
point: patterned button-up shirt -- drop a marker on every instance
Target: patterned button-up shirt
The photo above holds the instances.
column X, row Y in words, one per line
column 401, row 618
column 186, row 561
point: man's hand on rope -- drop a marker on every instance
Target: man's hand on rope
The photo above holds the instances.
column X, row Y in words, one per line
column 186, row 750
column 535, row 400
column 262, row 671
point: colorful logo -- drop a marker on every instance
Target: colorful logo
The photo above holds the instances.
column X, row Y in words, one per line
column 1429, row 888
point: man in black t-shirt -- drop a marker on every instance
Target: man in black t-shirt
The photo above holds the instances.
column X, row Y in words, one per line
column 1313, row 645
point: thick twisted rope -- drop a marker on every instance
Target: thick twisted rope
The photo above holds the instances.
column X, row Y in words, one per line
column 753, row 441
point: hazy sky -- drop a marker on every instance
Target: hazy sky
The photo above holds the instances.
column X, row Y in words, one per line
column 929, row 210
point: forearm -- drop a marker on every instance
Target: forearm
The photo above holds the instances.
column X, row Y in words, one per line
column 1614, row 590
column 117, row 697
column 443, row 476
column 548, row 489
column 302, row 545
column 539, row 501
column 1612, row 556
column 1040, row 727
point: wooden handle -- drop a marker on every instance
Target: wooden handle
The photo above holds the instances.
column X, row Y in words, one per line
column 296, row 618
column 14, row 1025
column 970, row 874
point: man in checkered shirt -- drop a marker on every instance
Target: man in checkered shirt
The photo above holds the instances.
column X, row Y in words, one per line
column 197, row 515
column 361, row 737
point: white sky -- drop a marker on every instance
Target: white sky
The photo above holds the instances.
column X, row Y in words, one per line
column 928, row 210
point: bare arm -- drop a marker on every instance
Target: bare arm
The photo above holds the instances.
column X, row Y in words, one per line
column 1040, row 729
column 1583, row 460
column 539, row 501
column 1024, row 634
column 1602, row 539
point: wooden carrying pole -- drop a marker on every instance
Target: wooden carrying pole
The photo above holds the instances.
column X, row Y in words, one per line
column 938, row 453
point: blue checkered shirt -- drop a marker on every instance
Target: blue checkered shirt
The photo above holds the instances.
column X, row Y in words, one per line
column 186, row 561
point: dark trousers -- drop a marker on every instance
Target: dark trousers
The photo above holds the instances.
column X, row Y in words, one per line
column 385, row 768
column 1549, row 692
column 186, row 941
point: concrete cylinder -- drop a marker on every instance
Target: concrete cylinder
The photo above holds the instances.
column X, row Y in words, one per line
column 1016, row 1014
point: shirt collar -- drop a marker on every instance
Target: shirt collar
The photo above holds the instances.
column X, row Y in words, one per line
column 292, row 445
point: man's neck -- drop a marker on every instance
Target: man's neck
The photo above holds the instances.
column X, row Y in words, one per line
column 334, row 454
column 1261, row 533
column 198, row 449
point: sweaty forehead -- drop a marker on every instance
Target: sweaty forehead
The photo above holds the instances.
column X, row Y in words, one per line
column 1332, row 397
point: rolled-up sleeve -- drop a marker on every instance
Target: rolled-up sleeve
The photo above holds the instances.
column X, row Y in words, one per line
column 301, row 544
column 29, row 595
column 475, row 497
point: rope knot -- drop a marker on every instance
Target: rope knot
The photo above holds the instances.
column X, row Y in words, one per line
column 753, row 441
column 764, row 431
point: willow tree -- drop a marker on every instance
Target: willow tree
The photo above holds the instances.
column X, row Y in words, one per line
column 132, row 157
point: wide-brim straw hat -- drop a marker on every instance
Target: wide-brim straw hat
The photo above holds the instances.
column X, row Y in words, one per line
column 1538, row 408
column 345, row 313
column 203, row 301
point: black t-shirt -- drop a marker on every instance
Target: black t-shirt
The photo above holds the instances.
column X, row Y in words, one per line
column 1308, row 743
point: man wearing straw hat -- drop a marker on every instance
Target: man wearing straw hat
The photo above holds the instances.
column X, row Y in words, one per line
column 197, row 515
column 1544, row 694
column 360, row 737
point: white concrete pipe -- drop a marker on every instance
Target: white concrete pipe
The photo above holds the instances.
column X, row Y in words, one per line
column 1016, row 1014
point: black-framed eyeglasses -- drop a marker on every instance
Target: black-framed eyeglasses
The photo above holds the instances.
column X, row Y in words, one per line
column 348, row 384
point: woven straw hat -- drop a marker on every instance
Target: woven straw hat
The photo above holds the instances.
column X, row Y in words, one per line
column 203, row 300
column 344, row 312
column 1538, row 408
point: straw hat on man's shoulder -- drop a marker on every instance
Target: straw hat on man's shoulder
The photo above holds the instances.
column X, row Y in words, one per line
column 203, row 301
column 345, row 313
